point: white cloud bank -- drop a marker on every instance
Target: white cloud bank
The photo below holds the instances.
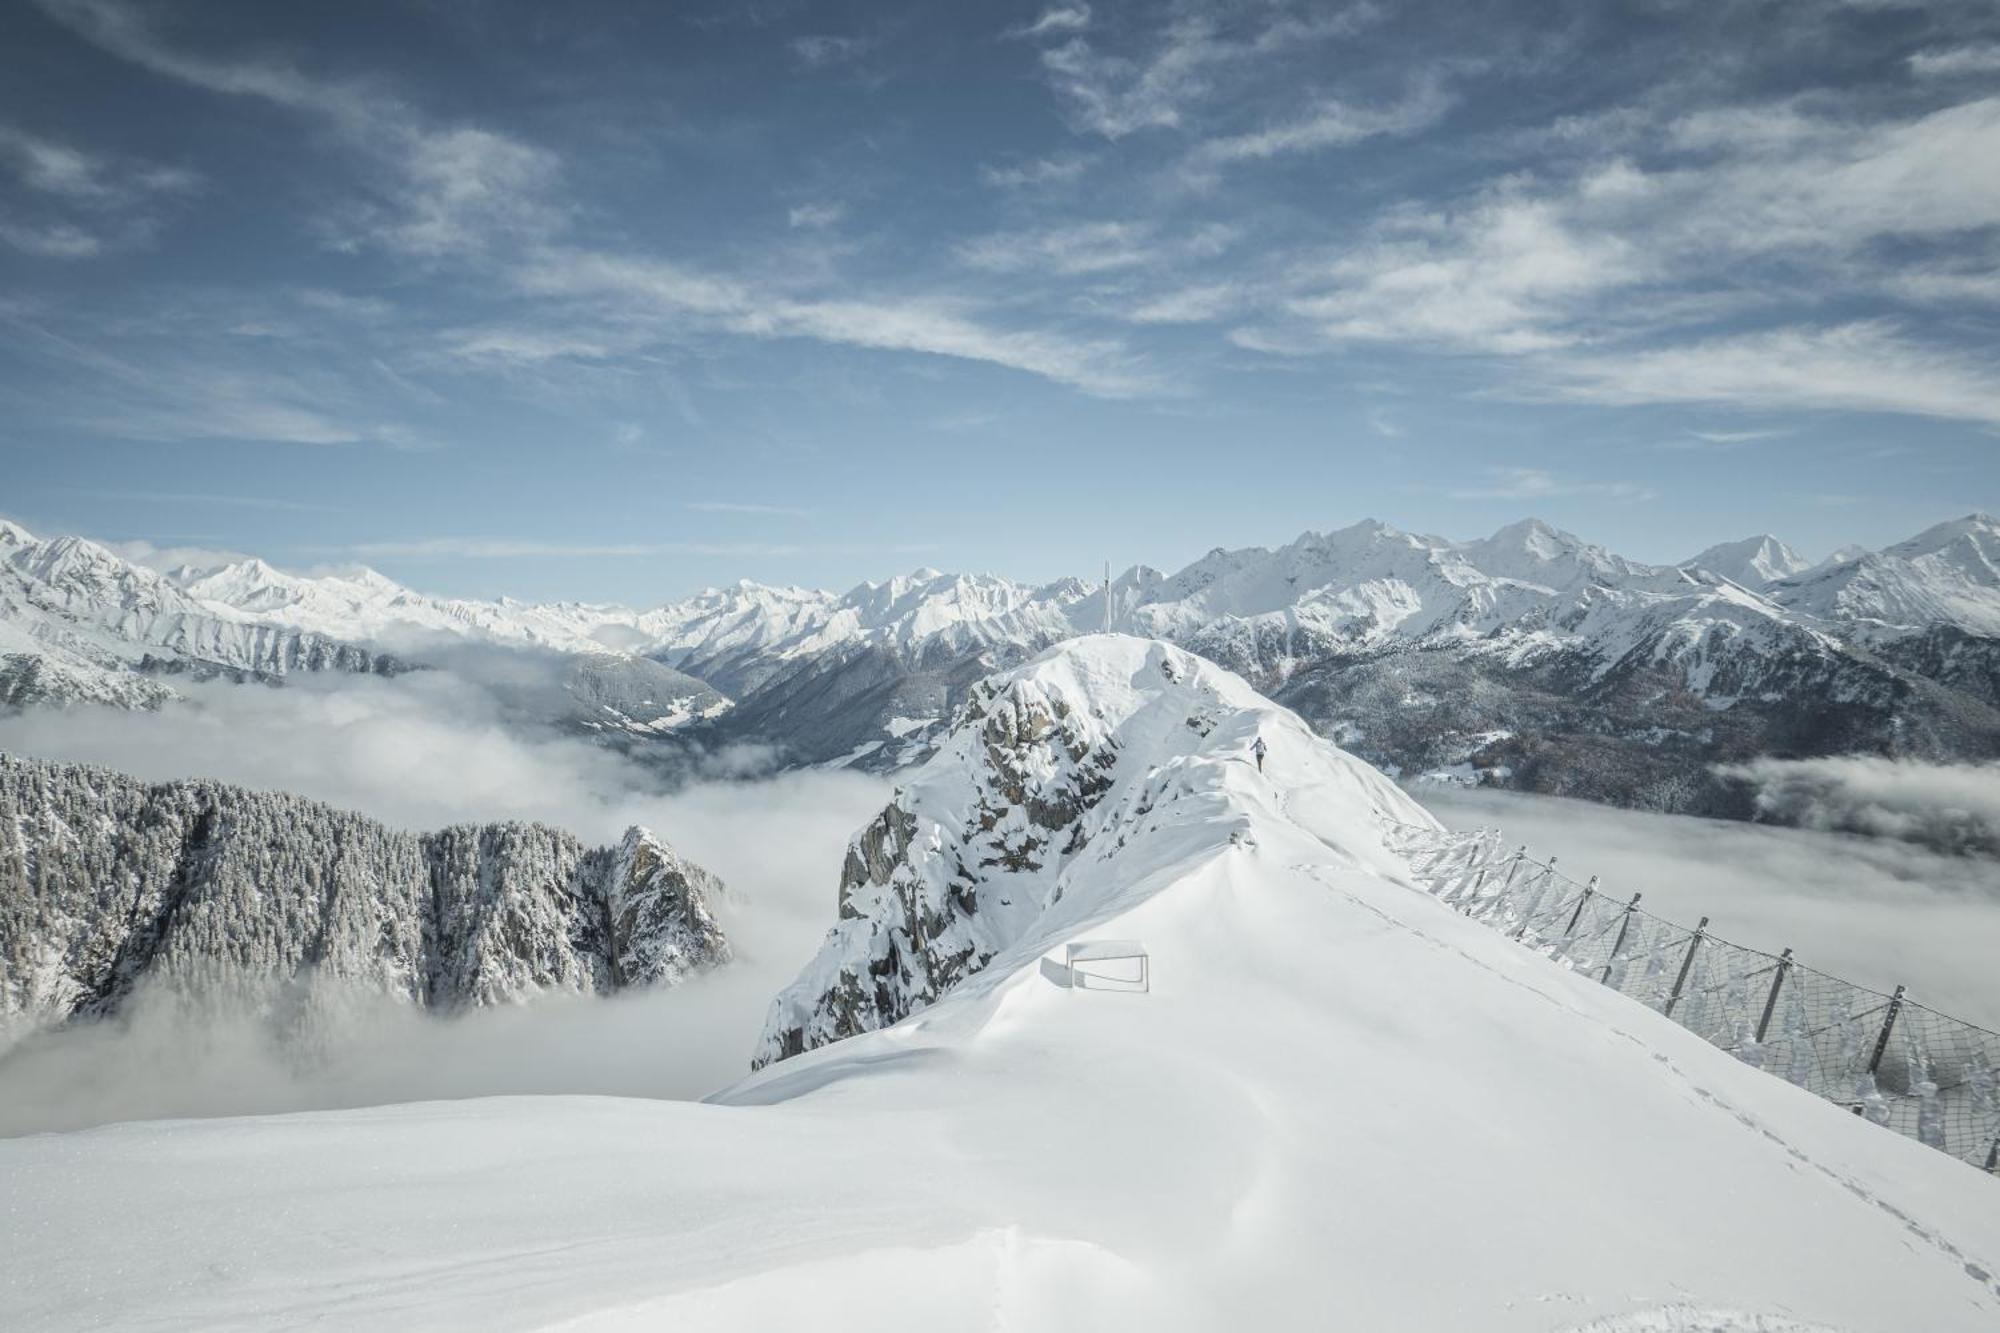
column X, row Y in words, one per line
column 1948, row 807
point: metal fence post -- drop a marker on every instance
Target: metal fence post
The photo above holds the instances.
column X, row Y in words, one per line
column 1624, row 925
column 1589, row 892
column 1771, row 1001
column 1680, row 981
column 1888, row 1023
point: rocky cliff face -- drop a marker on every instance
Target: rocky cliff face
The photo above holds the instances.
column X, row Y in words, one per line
column 936, row 884
column 287, row 906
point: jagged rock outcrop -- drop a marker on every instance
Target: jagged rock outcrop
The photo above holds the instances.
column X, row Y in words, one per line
column 285, row 905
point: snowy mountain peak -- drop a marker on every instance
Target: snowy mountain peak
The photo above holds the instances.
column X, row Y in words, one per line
column 63, row 558
column 1753, row 562
column 662, row 927
column 238, row 584
column 1535, row 552
column 1063, row 783
column 1977, row 530
column 1537, row 538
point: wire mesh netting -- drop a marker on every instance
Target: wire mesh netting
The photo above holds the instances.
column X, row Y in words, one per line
column 1883, row 1056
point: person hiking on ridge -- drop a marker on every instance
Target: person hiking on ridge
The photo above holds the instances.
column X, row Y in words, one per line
column 1258, row 750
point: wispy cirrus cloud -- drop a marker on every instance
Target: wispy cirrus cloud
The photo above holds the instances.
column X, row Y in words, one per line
column 1114, row 97
column 182, row 392
column 735, row 507
column 77, row 204
column 815, row 216
column 1609, row 284
column 470, row 194
column 1533, row 483
column 822, row 50
column 516, row 346
column 1037, row 171
column 671, row 297
column 237, row 407
column 1114, row 94
column 1956, row 61
column 51, row 240
column 436, row 190
column 1056, row 19
column 1726, row 439
column 1329, row 124
column 55, row 168
column 1094, row 247
column 1202, row 303
column 1384, row 425
column 1863, row 366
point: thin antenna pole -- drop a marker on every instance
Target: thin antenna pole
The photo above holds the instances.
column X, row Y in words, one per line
column 1107, row 596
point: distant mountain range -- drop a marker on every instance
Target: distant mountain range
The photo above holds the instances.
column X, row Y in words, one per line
column 1529, row 658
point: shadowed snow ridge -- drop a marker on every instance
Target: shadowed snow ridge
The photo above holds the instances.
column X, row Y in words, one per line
column 1081, row 769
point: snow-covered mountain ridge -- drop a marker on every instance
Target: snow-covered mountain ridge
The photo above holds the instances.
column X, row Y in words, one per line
column 1363, row 586
column 1070, row 780
column 283, row 907
column 1945, row 576
column 79, row 623
column 1529, row 658
column 1361, row 583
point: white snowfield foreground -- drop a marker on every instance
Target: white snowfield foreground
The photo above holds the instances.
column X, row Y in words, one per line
column 1340, row 1107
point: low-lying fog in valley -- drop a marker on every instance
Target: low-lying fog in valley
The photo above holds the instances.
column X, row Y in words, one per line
column 1874, row 910
column 422, row 751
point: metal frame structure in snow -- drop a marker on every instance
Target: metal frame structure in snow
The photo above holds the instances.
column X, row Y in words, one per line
column 1108, row 951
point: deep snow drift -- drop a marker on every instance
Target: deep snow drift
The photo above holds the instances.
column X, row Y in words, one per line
column 1340, row 1106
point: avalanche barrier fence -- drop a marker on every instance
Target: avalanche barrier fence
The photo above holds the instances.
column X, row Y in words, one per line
column 1884, row 1057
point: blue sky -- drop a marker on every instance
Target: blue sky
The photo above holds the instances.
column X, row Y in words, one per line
column 614, row 301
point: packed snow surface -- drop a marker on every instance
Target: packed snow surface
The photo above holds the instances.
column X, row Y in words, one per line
column 1340, row 1106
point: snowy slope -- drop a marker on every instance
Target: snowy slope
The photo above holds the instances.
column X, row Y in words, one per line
column 1341, row 1105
